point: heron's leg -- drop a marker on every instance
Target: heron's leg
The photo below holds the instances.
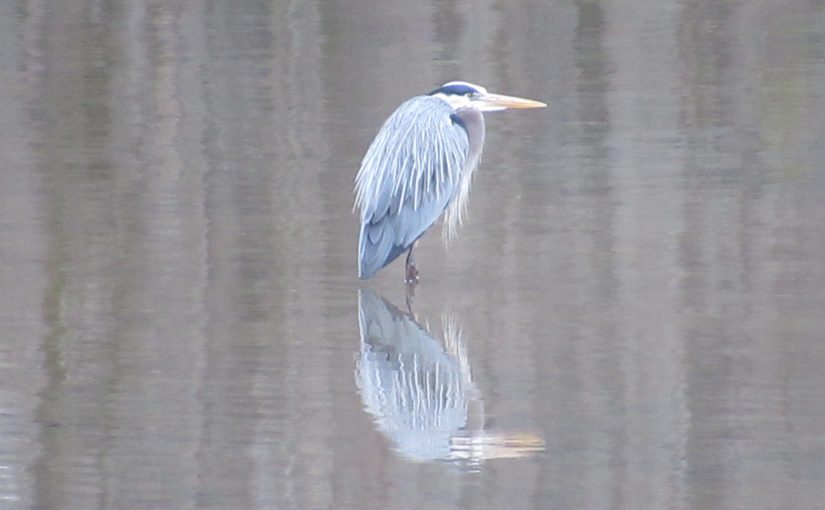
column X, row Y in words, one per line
column 412, row 272
column 410, row 297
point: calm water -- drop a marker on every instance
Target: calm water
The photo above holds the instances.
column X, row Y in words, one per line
column 633, row 316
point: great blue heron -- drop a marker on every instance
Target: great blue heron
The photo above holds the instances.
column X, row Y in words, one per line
column 418, row 167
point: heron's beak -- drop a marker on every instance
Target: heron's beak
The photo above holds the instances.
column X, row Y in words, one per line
column 496, row 102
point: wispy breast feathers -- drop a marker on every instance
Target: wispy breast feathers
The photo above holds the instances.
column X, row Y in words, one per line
column 417, row 157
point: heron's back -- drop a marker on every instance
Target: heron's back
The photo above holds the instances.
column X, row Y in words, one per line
column 412, row 170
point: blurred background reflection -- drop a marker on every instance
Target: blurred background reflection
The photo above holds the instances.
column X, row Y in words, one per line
column 639, row 282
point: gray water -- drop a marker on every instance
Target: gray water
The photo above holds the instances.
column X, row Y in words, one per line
column 632, row 317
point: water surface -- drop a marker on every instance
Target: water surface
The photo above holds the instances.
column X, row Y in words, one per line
column 631, row 317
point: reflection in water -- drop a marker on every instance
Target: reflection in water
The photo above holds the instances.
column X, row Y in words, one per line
column 177, row 257
column 421, row 393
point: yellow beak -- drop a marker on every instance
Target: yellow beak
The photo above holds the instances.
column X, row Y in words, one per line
column 494, row 102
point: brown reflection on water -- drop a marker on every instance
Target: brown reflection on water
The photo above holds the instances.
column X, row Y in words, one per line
column 639, row 282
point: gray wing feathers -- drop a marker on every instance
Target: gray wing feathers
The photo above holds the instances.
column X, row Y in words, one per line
column 410, row 173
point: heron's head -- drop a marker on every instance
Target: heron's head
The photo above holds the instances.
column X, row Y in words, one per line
column 461, row 94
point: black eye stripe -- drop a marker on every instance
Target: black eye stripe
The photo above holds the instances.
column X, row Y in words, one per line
column 456, row 89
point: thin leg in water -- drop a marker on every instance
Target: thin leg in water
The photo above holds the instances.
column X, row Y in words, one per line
column 412, row 272
column 410, row 297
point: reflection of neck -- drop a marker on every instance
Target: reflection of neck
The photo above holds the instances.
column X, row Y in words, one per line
column 475, row 415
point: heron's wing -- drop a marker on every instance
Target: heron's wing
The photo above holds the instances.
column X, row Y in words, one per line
column 410, row 173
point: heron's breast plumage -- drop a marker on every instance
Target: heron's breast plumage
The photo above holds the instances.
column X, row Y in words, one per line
column 415, row 167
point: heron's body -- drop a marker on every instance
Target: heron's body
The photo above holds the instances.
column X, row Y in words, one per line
column 418, row 167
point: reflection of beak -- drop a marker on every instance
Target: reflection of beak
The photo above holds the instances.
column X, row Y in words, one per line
column 496, row 445
column 496, row 102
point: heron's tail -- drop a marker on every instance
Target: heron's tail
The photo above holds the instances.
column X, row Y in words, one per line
column 376, row 248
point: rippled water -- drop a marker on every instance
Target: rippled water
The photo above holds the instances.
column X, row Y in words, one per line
column 631, row 318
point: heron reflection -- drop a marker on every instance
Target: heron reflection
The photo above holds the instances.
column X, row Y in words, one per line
column 420, row 392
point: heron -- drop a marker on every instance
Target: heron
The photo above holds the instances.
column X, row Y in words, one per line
column 418, row 167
